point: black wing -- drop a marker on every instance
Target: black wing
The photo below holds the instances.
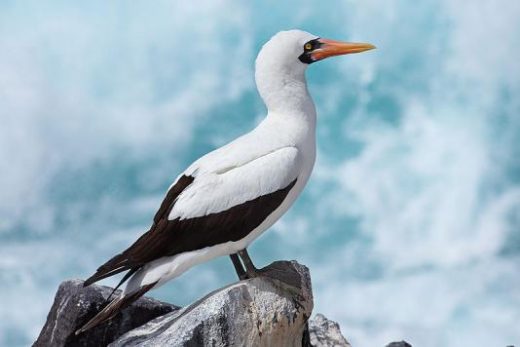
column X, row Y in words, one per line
column 126, row 261
column 170, row 237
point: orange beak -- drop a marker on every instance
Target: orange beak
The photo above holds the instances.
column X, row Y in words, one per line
column 331, row 48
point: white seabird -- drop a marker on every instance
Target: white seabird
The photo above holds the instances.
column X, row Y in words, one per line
column 228, row 197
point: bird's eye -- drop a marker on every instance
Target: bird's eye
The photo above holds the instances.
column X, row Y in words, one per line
column 308, row 46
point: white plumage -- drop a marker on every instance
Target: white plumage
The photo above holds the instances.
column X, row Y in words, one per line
column 228, row 197
column 280, row 149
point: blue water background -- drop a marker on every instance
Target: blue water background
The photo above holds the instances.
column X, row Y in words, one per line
column 410, row 223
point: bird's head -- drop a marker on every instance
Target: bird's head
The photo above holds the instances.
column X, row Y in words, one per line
column 294, row 50
column 282, row 61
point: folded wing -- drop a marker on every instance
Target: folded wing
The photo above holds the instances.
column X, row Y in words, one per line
column 211, row 207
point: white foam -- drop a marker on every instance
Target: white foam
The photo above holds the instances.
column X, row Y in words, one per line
column 428, row 196
column 81, row 82
column 430, row 189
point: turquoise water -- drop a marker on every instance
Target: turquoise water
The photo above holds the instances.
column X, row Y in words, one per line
column 410, row 224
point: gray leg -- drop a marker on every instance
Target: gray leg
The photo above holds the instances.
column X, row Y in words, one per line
column 251, row 270
column 242, row 275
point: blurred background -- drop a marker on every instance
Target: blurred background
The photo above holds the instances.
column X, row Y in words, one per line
column 411, row 222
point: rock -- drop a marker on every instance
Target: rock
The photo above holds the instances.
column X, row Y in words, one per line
column 271, row 310
column 74, row 305
column 325, row 333
column 399, row 344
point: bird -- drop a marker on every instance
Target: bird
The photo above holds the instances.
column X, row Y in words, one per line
column 231, row 195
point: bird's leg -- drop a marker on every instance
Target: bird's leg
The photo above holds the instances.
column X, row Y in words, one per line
column 239, row 268
column 251, row 270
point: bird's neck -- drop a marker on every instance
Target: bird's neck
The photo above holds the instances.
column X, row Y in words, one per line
column 285, row 92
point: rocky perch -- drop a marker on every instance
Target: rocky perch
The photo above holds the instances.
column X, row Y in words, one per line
column 270, row 310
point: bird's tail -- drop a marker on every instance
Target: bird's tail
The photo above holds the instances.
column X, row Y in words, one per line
column 114, row 307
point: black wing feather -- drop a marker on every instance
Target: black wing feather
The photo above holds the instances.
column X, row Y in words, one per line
column 127, row 260
column 170, row 237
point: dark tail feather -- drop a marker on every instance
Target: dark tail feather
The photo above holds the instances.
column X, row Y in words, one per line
column 123, row 280
column 99, row 276
column 114, row 307
column 117, row 264
column 140, row 252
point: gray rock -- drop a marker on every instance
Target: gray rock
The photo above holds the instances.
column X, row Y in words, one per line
column 74, row 305
column 399, row 344
column 271, row 310
column 325, row 333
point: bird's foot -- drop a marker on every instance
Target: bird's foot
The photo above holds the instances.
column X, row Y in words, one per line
column 243, row 277
column 252, row 274
column 244, row 272
column 241, row 272
column 250, row 269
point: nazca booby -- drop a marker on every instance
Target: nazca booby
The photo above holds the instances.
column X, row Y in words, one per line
column 231, row 195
